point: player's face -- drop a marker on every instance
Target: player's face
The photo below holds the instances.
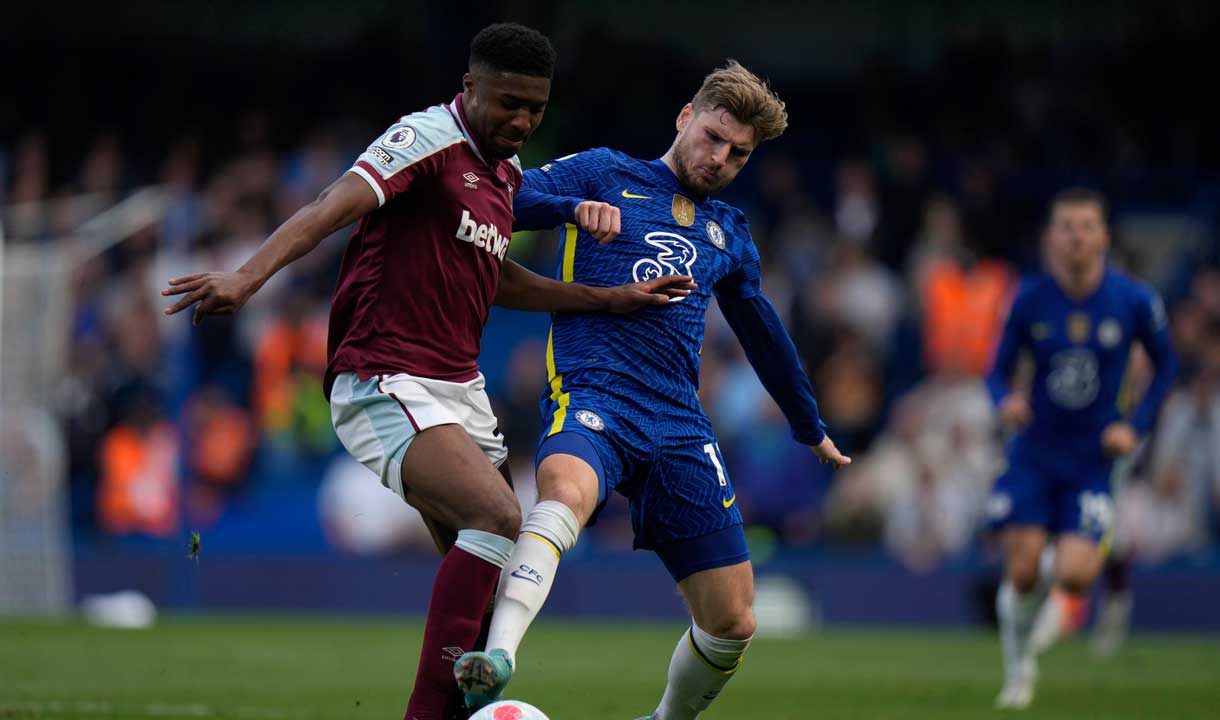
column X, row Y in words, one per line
column 1077, row 237
column 503, row 109
column 711, row 148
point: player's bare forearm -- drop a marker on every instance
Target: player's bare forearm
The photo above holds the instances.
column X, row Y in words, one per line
column 521, row 289
column 344, row 202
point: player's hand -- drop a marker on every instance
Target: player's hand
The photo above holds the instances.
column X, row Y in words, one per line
column 217, row 293
column 1014, row 411
column 1119, row 439
column 601, row 220
column 658, row 291
column 828, row 454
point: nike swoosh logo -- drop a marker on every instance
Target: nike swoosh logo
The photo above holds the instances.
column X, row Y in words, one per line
column 729, row 503
column 633, row 196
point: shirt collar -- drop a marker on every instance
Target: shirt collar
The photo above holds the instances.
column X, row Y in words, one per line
column 459, row 115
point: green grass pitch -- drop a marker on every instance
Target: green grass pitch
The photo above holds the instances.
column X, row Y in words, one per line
column 308, row 668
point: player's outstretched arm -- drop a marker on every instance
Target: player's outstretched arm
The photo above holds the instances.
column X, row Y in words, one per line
column 774, row 358
column 521, row 289
column 220, row 293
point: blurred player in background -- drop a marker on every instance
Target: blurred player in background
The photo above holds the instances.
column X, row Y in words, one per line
column 623, row 413
column 433, row 201
column 1078, row 321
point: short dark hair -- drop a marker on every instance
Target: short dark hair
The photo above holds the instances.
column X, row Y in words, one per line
column 513, row 48
column 1079, row 196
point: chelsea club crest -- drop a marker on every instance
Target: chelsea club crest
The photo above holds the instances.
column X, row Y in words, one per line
column 715, row 234
column 590, row 420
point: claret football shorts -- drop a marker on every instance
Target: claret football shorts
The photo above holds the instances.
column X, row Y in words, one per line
column 376, row 419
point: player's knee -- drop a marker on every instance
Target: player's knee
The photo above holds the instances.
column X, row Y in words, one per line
column 570, row 481
column 500, row 515
column 1076, row 581
column 1023, row 575
column 739, row 624
column 571, row 495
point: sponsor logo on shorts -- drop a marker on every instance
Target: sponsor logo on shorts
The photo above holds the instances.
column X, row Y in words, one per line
column 382, row 156
column 525, row 572
column 403, row 137
column 452, row 653
column 590, row 420
column 729, row 503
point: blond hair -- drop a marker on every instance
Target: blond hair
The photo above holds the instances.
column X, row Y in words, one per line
column 746, row 97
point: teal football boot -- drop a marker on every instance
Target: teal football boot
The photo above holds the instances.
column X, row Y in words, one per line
column 483, row 676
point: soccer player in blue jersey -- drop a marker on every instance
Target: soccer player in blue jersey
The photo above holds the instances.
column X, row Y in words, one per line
column 1078, row 321
column 622, row 413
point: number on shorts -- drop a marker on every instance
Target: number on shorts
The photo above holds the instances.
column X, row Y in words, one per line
column 712, row 449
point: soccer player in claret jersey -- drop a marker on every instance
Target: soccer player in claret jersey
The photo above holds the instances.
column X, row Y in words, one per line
column 433, row 201
column 1078, row 321
column 622, row 411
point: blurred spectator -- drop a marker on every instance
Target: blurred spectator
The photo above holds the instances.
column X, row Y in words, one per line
column 360, row 515
column 963, row 296
column 857, row 292
column 925, row 479
column 1173, row 511
column 138, row 461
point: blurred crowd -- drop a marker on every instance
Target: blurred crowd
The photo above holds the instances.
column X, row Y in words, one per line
column 892, row 263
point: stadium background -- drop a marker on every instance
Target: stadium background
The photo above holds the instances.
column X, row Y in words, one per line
column 141, row 141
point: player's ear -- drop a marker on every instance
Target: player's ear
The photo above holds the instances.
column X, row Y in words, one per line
column 684, row 116
column 468, row 83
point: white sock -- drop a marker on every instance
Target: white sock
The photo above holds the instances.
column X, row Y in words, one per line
column 1016, row 612
column 700, row 667
column 1048, row 626
column 549, row 531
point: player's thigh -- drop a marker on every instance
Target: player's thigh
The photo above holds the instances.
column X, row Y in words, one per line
column 1078, row 560
column 409, row 431
column 581, row 458
column 571, row 479
column 1020, row 496
column 450, row 480
column 721, row 600
column 1022, row 545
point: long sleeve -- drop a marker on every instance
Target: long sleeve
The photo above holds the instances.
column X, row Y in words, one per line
column 537, row 210
column 1153, row 334
column 770, row 350
column 1004, row 362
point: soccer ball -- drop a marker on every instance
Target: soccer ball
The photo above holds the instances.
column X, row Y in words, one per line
column 509, row 710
